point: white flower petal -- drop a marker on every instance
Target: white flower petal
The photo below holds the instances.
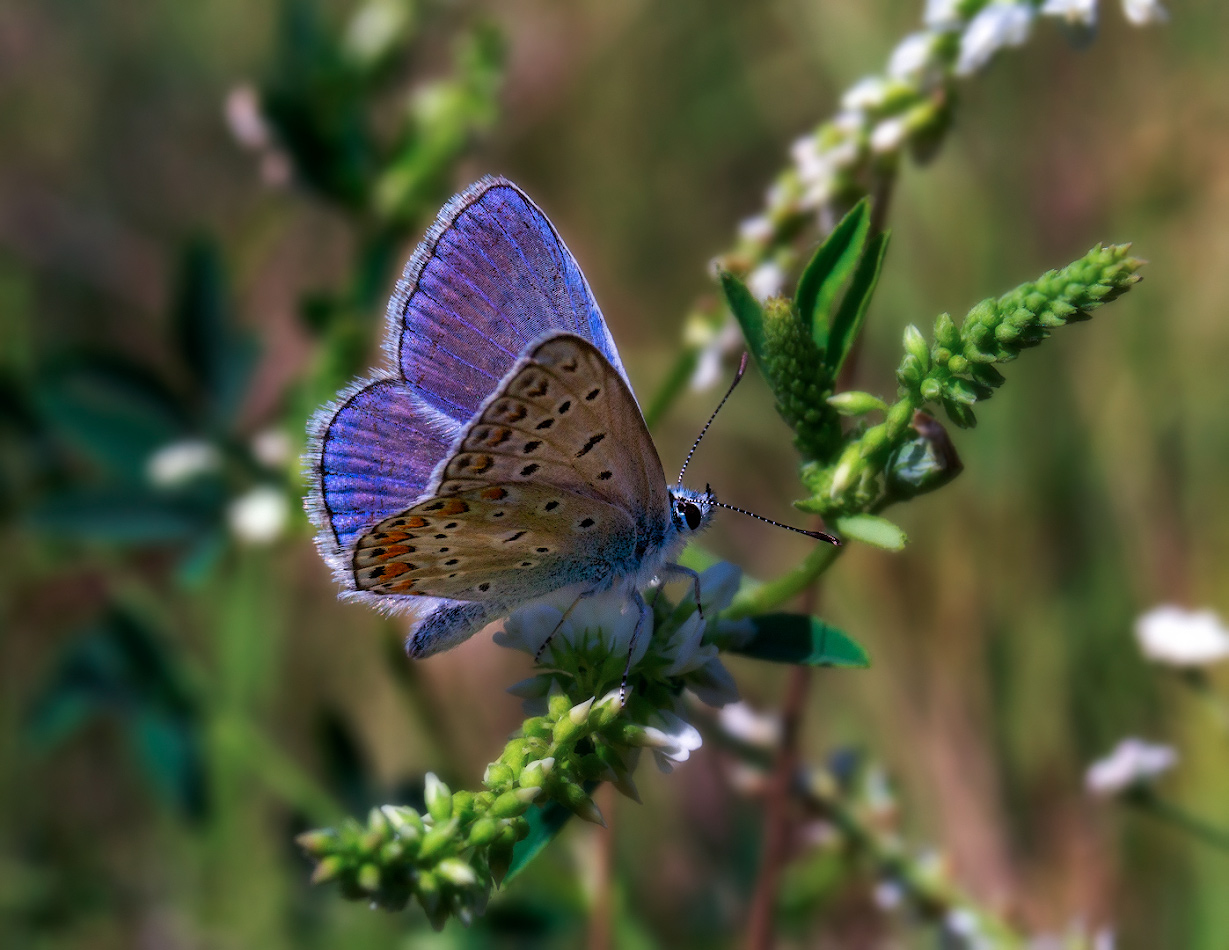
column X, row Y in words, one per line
column 718, row 585
column 766, row 281
column 888, row 135
column 758, row 230
column 913, row 56
column 868, row 93
column 997, row 26
column 1143, row 12
column 180, row 462
column 712, row 683
column 272, row 448
column 754, row 728
column 244, row 118
column 942, row 14
column 1179, row 637
column 1075, row 12
column 259, row 516
column 1132, row 762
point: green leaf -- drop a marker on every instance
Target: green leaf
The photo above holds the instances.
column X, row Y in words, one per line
column 871, row 529
column 746, row 310
column 829, row 268
column 680, row 374
column 545, row 822
column 802, row 640
column 112, row 411
column 847, row 322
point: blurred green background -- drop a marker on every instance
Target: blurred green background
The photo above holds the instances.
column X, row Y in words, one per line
column 176, row 704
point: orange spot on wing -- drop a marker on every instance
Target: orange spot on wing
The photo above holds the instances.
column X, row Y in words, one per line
column 454, row 506
column 415, row 522
column 395, row 549
column 494, row 494
column 394, row 569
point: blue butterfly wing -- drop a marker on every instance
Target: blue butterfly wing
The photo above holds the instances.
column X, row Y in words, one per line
column 491, row 277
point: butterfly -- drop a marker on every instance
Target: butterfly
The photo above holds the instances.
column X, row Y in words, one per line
column 502, row 456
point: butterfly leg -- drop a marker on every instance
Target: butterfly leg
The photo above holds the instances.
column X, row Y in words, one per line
column 551, row 636
column 678, row 569
column 645, row 613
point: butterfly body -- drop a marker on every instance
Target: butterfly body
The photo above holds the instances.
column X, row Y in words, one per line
column 503, row 458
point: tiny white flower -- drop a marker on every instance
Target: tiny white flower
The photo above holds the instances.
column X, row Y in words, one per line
column 912, row 56
column 997, row 26
column 1179, row 637
column 963, row 923
column 244, row 119
column 375, row 27
column 868, row 93
column 1133, row 762
column 272, row 448
column 848, row 122
column 180, row 462
column 1143, row 12
column 757, row 230
column 888, row 894
column 888, row 135
column 711, row 682
column 677, row 739
column 259, row 516
column 942, row 14
column 766, row 281
column 754, row 728
column 1075, row 12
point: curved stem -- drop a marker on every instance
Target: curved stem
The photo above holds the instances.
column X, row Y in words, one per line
column 767, row 596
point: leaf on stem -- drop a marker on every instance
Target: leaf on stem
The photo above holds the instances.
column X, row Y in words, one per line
column 802, row 640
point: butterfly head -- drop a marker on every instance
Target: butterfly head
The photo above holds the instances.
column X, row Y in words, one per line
column 691, row 510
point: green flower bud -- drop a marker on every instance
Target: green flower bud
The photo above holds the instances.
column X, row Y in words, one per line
column 328, row 869
column 392, row 852
column 497, row 775
column 515, row 754
column 946, row 333
column 854, row 403
column 509, row 804
column 578, row 800
column 931, row 389
column 483, row 832
column 558, row 704
column 957, row 365
column 438, row 798
column 438, row 840
column 317, row 843
column 910, row 372
column 456, row 872
column 377, row 823
column 427, row 887
column 580, row 712
column 566, row 731
column 369, row 878
column 916, row 344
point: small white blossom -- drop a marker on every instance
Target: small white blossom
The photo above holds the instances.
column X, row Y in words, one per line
column 868, row 93
column 1143, row 12
column 259, row 516
column 1180, row 637
column 376, row 27
column 942, row 14
column 1075, row 12
column 244, row 119
column 766, row 281
column 963, row 923
column 754, row 728
column 888, row 894
column 756, row 230
column 997, row 26
column 180, row 462
column 713, row 351
column 913, row 56
column 1133, row 762
column 888, row 135
column 272, row 448
column 677, row 739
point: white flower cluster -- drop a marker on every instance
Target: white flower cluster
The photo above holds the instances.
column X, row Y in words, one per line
column 250, row 131
column 1184, row 638
column 1133, row 762
column 603, row 626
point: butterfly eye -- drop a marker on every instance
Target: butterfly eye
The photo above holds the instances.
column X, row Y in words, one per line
column 691, row 513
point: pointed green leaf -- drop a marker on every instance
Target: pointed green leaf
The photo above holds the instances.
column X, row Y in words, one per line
column 545, row 823
column 847, row 323
column 871, row 529
column 802, row 640
column 829, row 268
column 746, row 310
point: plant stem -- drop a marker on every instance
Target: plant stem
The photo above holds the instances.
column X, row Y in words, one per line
column 601, row 922
column 1147, row 801
column 761, row 923
column 767, row 596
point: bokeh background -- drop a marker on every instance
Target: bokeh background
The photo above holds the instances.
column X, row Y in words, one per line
column 177, row 703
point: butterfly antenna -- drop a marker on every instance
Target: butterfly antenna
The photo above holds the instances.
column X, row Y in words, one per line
column 742, row 368
column 818, row 535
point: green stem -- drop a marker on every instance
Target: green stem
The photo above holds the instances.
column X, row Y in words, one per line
column 1147, row 801
column 773, row 594
column 672, row 387
column 285, row 779
column 1197, row 680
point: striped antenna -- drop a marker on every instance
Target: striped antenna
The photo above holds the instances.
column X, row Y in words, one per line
column 742, row 368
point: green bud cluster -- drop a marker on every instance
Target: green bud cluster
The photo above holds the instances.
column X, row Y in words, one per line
column 909, row 452
column 800, row 381
column 450, row 855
